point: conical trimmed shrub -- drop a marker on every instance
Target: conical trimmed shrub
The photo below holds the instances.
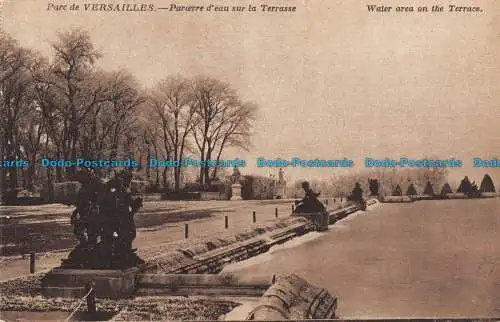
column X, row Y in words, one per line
column 428, row 189
column 411, row 191
column 446, row 189
column 397, row 191
column 487, row 184
column 465, row 186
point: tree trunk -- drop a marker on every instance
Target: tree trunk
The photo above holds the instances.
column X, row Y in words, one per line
column 202, row 158
column 148, row 172
column 59, row 170
column 177, row 178
column 50, row 180
column 206, row 170
column 10, row 195
column 219, row 154
column 165, row 173
column 156, row 168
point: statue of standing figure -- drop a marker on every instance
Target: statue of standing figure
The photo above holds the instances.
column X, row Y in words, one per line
column 236, row 176
column 103, row 223
column 374, row 186
column 124, row 207
column 281, row 176
column 85, row 218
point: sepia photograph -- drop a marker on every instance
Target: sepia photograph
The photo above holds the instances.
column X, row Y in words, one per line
column 233, row 160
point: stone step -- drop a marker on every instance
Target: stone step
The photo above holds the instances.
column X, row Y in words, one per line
column 214, row 261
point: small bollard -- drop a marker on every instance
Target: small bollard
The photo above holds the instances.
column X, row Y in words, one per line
column 254, row 217
column 89, row 288
column 333, row 200
column 32, row 263
column 340, row 199
column 276, row 212
column 226, row 222
column 186, row 231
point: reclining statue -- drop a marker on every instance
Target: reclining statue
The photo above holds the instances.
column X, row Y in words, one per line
column 357, row 196
column 310, row 202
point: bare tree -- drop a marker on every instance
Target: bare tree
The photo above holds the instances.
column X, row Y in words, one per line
column 222, row 120
column 152, row 136
column 17, row 66
column 234, row 129
column 74, row 90
column 173, row 103
column 66, row 108
column 31, row 130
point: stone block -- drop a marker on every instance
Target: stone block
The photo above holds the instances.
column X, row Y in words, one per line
column 236, row 192
column 457, row 195
column 115, row 284
column 319, row 219
column 202, row 284
column 293, row 298
column 395, row 199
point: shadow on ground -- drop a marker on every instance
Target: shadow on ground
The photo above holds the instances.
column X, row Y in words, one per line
column 157, row 219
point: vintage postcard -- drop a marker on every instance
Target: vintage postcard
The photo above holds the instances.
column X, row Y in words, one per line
column 249, row 160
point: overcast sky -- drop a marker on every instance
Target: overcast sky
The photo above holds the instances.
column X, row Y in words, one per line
column 331, row 80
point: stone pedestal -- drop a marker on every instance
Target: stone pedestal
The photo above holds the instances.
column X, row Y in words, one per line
column 61, row 282
column 236, row 192
column 319, row 219
column 280, row 192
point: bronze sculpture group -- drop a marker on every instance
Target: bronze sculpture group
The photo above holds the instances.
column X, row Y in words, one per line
column 103, row 223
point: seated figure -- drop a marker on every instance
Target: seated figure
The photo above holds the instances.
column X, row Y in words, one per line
column 310, row 202
column 357, row 193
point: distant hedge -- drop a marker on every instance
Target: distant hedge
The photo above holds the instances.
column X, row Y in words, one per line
column 64, row 192
column 258, row 187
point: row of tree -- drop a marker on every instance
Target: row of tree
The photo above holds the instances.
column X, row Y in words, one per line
column 65, row 107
